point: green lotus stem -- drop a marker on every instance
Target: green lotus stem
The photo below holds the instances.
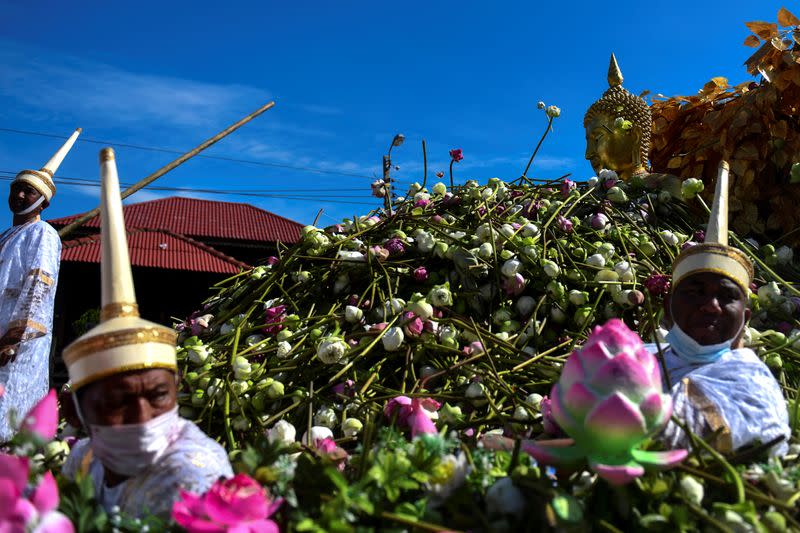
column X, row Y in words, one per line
column 547, row 130
column 705, row 516
column 660, row 355
column 227, row 408
column 363, row 352
column 539, row 356
column 737, row 480
column 415, row 523
column 608, row 527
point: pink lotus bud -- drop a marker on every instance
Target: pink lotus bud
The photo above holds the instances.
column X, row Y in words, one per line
column 609, row 399
column 420, row 273
column 42, row 420
column 599, row 221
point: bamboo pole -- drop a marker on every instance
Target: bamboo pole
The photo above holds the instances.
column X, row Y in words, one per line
column 144, row 182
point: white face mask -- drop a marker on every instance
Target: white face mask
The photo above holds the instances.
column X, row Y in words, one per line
column 692, row 351
column 129, row 449
column 33, row 206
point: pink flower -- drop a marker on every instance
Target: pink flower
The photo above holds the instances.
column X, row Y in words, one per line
column 239, row 504
column 273, row 317
column 272, row 260
column 36, row 513
column 515, row 285
column 422, row 202
column 42, row 420
column 395, row 246
column 381, row 253
column 414, row 324
column 456, row 154
column 420, row 274
column 327, row 447
column 566, row 187
column 564, row 224
column 440, row 174
column 599, row 221
column 657, row 284
column 345, row 388
column 414, row 414
column 548, row 422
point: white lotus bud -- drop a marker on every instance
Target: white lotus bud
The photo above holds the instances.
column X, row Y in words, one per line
column 486, row 250
column 530, row 230
column 551, row 268
column 318, row 433
column 353, row 314
column 624, row 270
column 692, row 489
column 510, row 268
column 351, row 427
column 284, row 348
column 425, row 241
column 596, row 260
column 505, row 499
column 525, row 305
column 332, row 350
column 241, row 368
column 785, row 255
column 283, row 432
column 325, row 416
column 577, row 297
column 669, row 237
column 393, row 339
column 606, row 275
column 535, row 400
column 197, row 354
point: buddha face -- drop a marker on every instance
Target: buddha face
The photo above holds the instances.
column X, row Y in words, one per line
column 612, row 148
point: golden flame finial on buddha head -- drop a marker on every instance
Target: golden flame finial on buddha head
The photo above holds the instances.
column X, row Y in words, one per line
column 618, row 129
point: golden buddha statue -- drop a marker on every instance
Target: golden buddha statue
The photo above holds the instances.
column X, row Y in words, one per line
column 618, row 129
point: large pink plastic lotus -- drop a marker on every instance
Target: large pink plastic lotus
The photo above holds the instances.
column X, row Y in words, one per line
column 609, row 399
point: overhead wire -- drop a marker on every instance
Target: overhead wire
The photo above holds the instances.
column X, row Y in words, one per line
column 206, row 156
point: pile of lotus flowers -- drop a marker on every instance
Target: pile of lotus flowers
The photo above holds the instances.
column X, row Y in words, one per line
column 472, row 297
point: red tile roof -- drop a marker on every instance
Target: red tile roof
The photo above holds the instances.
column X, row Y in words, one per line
column 204, row 219
column 157, row 249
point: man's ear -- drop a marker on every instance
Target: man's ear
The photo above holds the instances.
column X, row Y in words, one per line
column 747, row 314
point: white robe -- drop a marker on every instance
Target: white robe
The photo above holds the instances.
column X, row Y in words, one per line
column 29, row 259
column 736, row 396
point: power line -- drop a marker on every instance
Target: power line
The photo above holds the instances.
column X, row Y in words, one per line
column 66, row 180
column 333, row 199
column 172, row 151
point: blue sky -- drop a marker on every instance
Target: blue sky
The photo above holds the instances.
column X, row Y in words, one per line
column 346, row 77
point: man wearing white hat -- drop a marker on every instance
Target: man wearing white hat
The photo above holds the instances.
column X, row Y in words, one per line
column 30, row 253
column 140, row 453
column 719, row 388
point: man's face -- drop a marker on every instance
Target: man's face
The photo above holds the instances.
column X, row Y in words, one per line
column 708, row 307
column 130, row 398
column 607, row 147
column 22, row 196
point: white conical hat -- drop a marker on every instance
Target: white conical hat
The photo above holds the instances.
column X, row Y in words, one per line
column 122, row 341
column 714, row 254
column 42, row 179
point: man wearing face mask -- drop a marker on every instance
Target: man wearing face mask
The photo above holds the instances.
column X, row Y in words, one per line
column 140, row 453
column 719, row 388
column 30, row 253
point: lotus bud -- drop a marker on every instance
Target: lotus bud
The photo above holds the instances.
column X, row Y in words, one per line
column 332, row 350
column 440, row 189
column 670, row 238
column 284, row 334
column 240, row 423
column 510, row 268
column 551, row 269
column 504, row 499
column 440, row 296
column 325, row 416
column 625, row 272
column 501, row 315
column 351, row 427
column 241, row 368
column 609, row 399
column 254, row 339
column 476, row 393
column 282, row 432
column 592, row 182
column 596, row 260
column 422, row 309
column 301, row 277
column 197, row 354
column 284, row 349
column 275, row 390
column 617, row 195
column 691, row 187
column 353, row 314
column 599, row 221
column 534, row 400
column 607, row 250
column 636, row 298
column 486, row 250
column 552, row 112
column 318, row 434
column 607, row 276
column 692, row 489
column 577, row 297
column 583, row 316
column 647, row 248
column 238, row 388
column 768, row 294
column 198, row 398
column 521, row 414
column 451, row 414
column 784, row 254
column 393, row 339
column 484, row 232
column 525, row 305
column 530, row 230
column 557, row 315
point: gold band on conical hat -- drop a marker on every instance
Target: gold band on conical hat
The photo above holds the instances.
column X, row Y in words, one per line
column 714, row 255
column 42, row 179
column 122, row 342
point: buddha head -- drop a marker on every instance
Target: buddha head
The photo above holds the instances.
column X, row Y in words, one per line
column 618, row 129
